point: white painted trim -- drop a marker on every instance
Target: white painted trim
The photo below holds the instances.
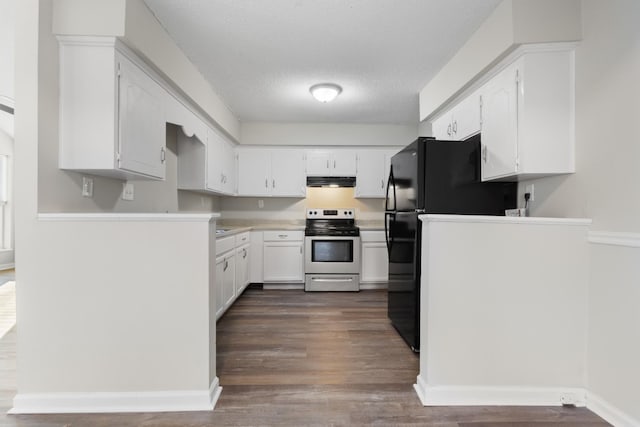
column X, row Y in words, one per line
column 608, row 412
column 504, row 219
column 498, row 396
column 106, row 402
column 631, row 240
column 214, row 392
column 128, row 217
column 8, row 266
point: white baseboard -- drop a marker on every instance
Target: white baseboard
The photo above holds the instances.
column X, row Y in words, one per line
column 283, row 286
column 373, row 285
column 608, row 412
column 497, row 396
column 106, row 402
column 8, row 266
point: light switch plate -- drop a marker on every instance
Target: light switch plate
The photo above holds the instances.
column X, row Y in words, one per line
column 127, row 191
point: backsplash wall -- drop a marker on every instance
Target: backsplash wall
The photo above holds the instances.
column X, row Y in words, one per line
column 288, row 209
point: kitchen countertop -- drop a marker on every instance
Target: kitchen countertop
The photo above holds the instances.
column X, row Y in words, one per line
column 233, row 227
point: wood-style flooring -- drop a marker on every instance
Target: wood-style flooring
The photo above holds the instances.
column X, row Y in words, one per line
column 291, row 358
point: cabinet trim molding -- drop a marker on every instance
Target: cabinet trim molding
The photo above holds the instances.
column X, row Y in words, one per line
column 614, row 238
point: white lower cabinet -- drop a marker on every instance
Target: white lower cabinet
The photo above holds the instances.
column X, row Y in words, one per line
column 232, row 270
column 242, row 269
column 283, row 256
column 375, row 259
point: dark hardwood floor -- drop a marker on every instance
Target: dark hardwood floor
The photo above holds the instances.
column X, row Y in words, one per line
column 302, row 359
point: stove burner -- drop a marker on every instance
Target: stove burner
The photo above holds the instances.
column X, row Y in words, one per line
column 331, row 222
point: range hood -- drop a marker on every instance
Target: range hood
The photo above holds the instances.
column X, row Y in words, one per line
column 331, row 181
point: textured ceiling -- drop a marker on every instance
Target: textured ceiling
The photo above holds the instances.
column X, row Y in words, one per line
column 261, row 56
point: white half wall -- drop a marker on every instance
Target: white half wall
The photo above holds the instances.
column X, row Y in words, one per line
column 122, row 318
column 614, row 327
column 504, row 311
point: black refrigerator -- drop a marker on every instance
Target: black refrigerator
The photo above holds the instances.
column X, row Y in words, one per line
column 430, row 176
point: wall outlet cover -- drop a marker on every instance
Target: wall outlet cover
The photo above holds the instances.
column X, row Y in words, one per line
column 127, row 191
column 87, row 187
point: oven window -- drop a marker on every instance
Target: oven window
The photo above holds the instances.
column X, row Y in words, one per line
column 332, row 250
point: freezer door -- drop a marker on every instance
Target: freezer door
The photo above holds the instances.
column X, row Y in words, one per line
column 406, row 181
column 404, row 276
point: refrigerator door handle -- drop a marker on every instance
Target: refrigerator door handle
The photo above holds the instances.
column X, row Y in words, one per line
column 390, row 183
column 387, row 231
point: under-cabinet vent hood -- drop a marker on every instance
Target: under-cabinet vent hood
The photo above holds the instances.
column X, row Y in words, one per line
column 331, row 181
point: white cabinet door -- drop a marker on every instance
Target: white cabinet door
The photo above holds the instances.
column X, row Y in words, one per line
column 229, row 168
column 254, row 172
column 283, row 261
column 499, row 127
column 370, row 174
column 466, row 117
column 242, row 269
column 375, row 262
column 344, row 163
column 229, row 279
column 215, row 161
column 142, row 137
column 220, row 263
column 255, row 257
column 288, row 173
column 319, row 163
column 441, row 127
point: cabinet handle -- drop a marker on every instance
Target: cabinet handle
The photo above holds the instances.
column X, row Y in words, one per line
column 273, row 182
column 327, row 164
column 449, row 129
column 484, row 153
column 226, row 265
column 266, row 183
column 163, row 155
column 300, row 249
column 334, row 164
column 244, row 253
column 221, row 178
column 455, row 127
column 282, row 236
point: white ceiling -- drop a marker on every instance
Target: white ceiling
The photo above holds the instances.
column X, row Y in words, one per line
column 261, row 56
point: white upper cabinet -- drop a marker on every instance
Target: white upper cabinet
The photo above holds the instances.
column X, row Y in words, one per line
column 372, row 172
column 221, row 171
column 331, row 163
column 206, row 166
column 528, row 118
column 271, row 172
column 112, row 118
column 462, row 121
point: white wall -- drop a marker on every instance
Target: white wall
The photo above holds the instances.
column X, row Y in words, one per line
column 294, row 210
column 263, row 133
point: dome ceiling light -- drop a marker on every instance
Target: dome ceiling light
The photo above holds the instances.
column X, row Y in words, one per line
column 325, row 92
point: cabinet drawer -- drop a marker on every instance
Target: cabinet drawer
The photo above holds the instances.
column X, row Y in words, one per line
column 225, row 244
column 274, row 236
column 372, row 236
column 243, row 239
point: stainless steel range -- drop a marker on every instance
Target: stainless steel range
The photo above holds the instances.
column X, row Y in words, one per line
column 332, row 250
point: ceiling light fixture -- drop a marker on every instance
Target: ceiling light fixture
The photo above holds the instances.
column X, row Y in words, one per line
column 325, row 92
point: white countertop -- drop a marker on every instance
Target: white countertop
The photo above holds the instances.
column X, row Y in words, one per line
column 144, row 217
column 504, row 219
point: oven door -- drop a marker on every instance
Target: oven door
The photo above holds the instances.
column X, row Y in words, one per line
column 332, row 254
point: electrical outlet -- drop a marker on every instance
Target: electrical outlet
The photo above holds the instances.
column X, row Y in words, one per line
column 127, row 191
column 260, row 204
column 529, row 189
column 87, row 187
